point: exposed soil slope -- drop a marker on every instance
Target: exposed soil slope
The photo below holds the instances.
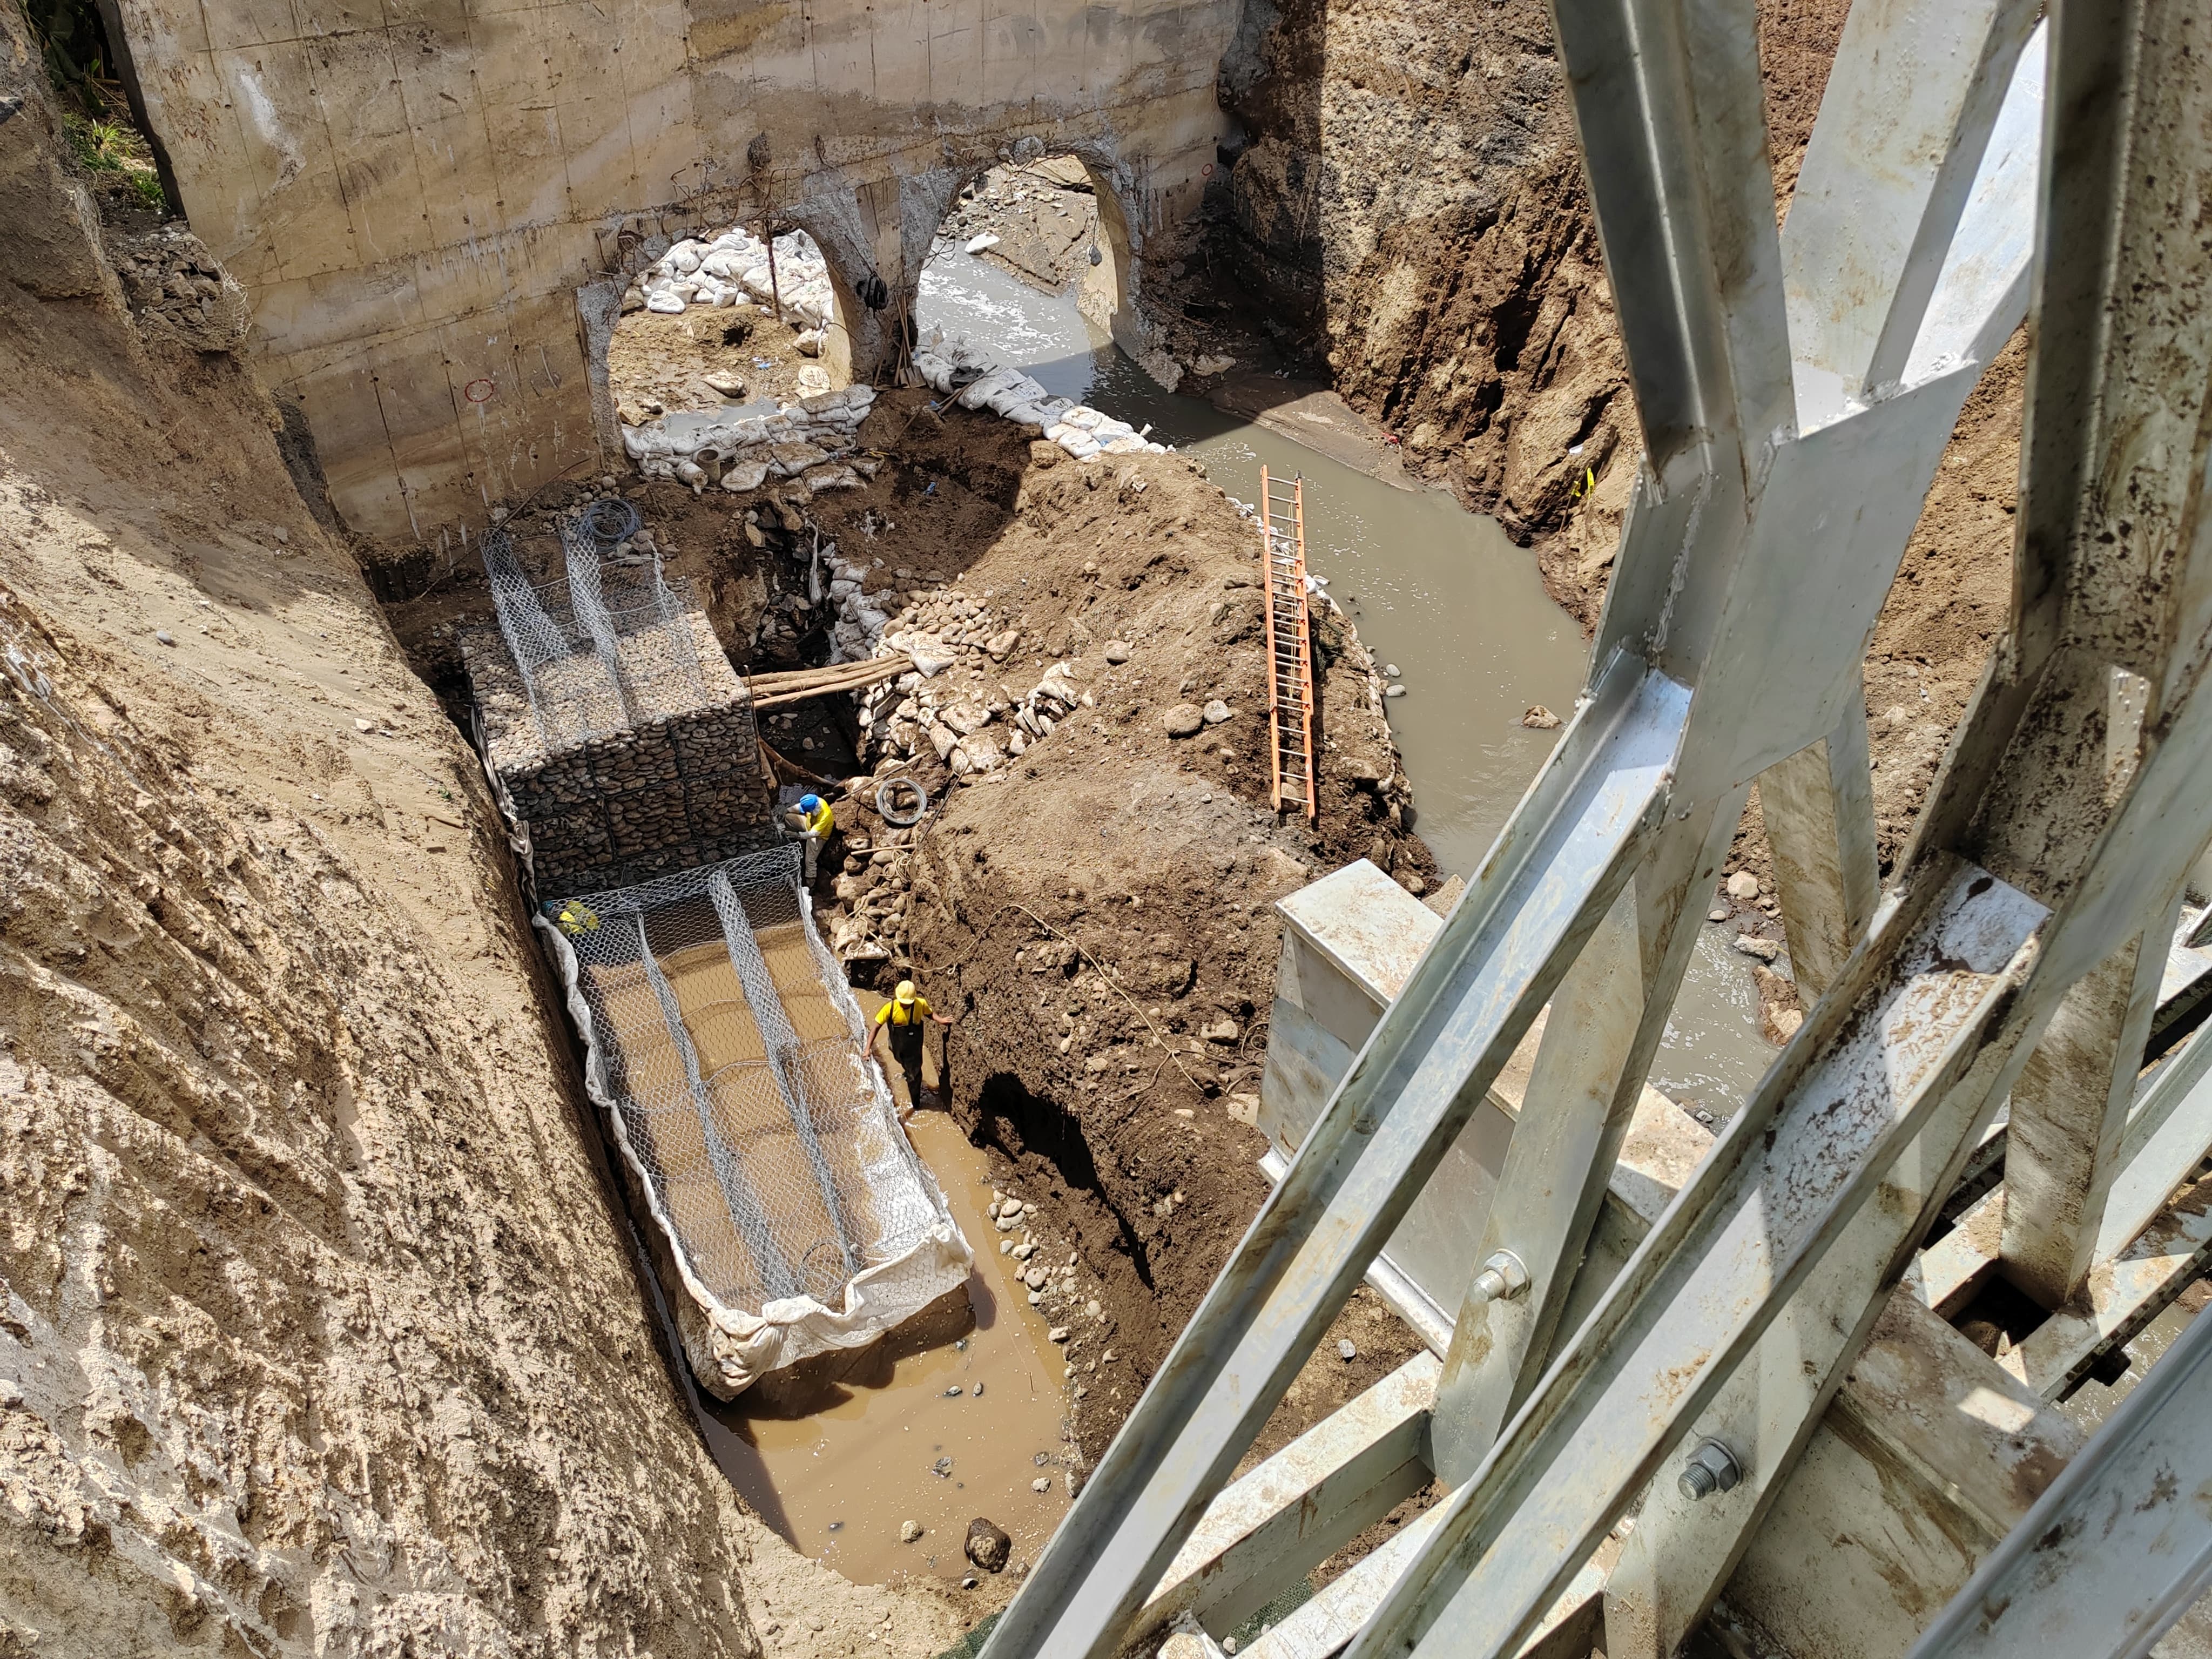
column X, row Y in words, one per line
column 1098, row 913
column 1463, row 299
column 1155, row 858
column 317, row 1332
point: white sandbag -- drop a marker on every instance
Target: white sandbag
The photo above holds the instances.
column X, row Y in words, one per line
column 726, row 264
column 977, row 244
column 1082, row 419
column 982, row 391
column 1078, row 445
column 683, row 259
column 664, row 300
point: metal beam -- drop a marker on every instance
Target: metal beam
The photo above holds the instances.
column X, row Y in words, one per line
column 1904, row 123
column 1276, row 1523
column 1818, row 809
column 1493, row 964
column 2070, row 1115
column 2118, row 1547
column 1606, row 1021
column 1905, row 1031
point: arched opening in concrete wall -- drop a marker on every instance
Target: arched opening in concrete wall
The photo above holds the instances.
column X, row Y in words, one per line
column 1034, row 267
column 710, row 330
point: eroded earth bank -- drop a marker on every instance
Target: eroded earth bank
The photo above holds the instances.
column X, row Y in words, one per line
column 324, row 1328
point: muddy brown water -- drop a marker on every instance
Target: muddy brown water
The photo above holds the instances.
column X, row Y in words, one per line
column 838, row 1464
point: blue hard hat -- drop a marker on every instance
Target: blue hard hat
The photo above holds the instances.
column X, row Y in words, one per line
column 809, row 803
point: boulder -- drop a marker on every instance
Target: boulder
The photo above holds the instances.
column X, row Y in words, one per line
column 1185, row 720
column 1539, row 718
column 1215, row 712
column 987, row 1545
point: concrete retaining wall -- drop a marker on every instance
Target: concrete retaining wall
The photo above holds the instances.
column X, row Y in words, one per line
column 435, row 205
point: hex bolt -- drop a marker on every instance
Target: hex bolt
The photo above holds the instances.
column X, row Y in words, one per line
column 1501, row 1279
column 1712, row 1468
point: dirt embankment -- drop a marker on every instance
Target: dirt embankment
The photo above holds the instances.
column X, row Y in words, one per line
column 1096, row 910
column 317, row 1332
column 1412, row 184
column 1096, row 913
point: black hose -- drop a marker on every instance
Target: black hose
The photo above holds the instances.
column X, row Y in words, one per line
column 887, row 791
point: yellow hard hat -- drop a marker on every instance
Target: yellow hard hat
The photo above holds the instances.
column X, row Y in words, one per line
column 906, row 990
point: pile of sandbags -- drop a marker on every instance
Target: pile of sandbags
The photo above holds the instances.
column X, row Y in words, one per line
column 732, row 270
column 802, row 440
column 960, row 369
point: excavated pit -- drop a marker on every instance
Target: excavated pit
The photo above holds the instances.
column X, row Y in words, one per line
column 1142, row 1170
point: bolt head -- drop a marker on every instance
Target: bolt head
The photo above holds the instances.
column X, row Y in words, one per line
column 1711, row 1467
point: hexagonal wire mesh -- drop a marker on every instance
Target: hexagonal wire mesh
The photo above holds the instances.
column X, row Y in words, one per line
column 737, row 1057
column 599, row 654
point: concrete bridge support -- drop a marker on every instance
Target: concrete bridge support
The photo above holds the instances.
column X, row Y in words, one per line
column 435, row 207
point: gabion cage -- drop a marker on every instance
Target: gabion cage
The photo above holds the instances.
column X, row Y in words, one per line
column 623, row 739
column 598, row 652
column 735, row 1055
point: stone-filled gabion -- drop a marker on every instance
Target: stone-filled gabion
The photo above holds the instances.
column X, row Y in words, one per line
column 683, row 786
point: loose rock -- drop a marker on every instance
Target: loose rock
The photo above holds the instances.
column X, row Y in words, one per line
column 1743, row 886
column 908, row 1531
column 1539, row 718
column 1183, row 720
column 987, row 1545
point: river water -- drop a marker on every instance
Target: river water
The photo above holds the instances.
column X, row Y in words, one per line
column 1436, row 591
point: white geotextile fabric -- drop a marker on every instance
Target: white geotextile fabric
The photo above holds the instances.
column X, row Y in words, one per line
column 730, row 1349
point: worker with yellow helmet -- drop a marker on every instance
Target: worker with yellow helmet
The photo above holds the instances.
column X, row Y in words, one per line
column 572, row 916
column 902, row 1020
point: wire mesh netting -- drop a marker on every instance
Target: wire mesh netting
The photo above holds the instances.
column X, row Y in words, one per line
column 599, row 651
column 736, row 1055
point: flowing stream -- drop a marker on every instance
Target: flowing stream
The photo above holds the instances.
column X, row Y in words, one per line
column 1436, row 591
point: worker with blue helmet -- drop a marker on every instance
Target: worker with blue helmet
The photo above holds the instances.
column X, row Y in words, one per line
column 814, row 821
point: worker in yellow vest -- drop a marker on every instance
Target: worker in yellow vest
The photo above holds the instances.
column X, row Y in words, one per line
column 572, row 916
column 902, row 1019
column 814, row 821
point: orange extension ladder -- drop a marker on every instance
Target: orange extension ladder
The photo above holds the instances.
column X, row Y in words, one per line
column 1289, row 647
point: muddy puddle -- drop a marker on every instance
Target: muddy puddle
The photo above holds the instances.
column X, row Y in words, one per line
column 1437, row 592
column 955, row 1416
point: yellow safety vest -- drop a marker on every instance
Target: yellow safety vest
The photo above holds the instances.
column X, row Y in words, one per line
column 821, row 822
column 896, row 1013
